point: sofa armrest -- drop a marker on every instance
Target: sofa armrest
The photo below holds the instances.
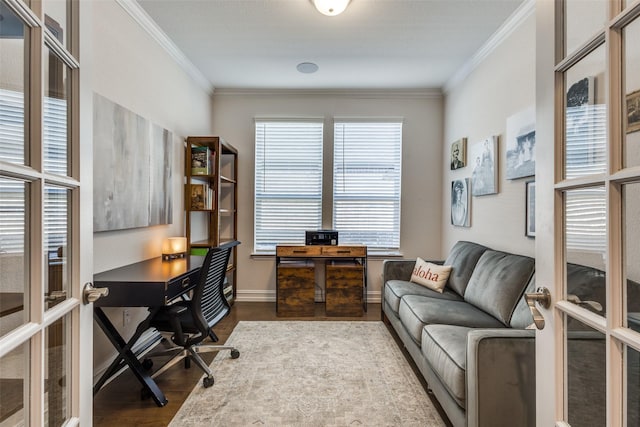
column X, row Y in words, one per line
column 501, row 378
column 399, row 269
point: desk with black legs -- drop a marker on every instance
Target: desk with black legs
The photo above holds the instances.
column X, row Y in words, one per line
column 152, row 283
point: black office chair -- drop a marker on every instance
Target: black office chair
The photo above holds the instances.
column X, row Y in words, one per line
column 190, row 322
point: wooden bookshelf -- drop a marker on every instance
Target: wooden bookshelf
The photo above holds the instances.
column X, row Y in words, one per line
column 211, row 170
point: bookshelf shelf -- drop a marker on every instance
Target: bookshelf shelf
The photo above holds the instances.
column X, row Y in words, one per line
column 211, row 194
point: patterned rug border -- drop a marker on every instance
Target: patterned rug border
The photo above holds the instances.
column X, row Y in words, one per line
column 281, row 361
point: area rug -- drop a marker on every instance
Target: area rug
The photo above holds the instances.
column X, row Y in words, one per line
column 310, row 373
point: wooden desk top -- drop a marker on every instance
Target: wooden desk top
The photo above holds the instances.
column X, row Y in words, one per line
column 148, row 283
column 321, row 251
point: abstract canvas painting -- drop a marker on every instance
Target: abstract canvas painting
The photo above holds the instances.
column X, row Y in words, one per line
column 132, row 167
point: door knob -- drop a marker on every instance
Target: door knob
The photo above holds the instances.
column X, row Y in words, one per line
column 543, row 297
column 91, row 294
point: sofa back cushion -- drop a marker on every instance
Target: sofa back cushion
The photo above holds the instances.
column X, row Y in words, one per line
column 462, row 259
column 498, row 282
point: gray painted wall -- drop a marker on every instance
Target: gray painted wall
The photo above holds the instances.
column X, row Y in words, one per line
column 421, row 169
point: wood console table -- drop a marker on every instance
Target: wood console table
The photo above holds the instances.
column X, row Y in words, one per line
column 345, row 279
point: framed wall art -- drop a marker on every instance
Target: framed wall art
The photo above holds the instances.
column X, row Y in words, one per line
column 484, row 158
column 460, row 203
column 459, row 154
column 633, row 111
column 132, row 169
column 521, row 144
column 530, row 208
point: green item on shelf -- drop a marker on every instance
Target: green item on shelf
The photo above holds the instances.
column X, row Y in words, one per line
column 199, row 251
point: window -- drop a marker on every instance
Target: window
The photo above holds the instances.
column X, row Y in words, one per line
column 366, row 182
column 288, row 181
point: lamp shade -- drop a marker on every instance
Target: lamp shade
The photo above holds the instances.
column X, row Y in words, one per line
column 331, row 7
column 174, row 247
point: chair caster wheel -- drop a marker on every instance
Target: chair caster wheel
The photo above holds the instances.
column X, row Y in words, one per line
column 207, row 382
column 147, row 364
column 235, row 354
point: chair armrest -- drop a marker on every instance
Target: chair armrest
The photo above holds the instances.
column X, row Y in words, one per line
column 501, row 377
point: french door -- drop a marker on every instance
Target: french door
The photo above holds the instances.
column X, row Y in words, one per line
column 45, row 227
column 588, row 196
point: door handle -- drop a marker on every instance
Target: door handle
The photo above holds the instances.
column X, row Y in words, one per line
column 543, row 297
column 91, row 294
column 55, row 296
column 595, row 305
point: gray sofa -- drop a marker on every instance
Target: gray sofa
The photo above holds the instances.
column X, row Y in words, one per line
column 470, row 342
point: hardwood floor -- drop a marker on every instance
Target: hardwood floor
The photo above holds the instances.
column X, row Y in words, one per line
column 119, row 403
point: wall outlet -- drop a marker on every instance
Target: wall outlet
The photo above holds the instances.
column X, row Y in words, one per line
column 126, row 317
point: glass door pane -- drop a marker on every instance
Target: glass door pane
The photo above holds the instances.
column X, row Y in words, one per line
column 14, row 247
column 13, row 93
column 631, row 94
column 57, row 372
column 631, row 248
column 55, row 19
column 586, row 116
column 583, row 20
column 586, row 375
column 56, row 244
column 55, row 122
column 632, row 386
column 14, row 387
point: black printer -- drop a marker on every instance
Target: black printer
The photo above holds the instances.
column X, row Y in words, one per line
column 321, row 237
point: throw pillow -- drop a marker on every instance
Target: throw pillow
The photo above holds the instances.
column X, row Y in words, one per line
column 433, row 276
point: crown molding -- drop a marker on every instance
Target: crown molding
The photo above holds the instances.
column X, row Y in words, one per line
column 350, row 93
column 149, row 25
column 527, row 8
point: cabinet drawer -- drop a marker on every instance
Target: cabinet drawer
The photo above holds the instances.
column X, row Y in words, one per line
column 296, row 276
column 181, row 285
column 298, row 251
column 344, row 251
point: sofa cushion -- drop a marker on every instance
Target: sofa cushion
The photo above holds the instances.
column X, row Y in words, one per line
column 462, row 258
column 433, row 276
column 394, row 290
column 522, row 318
column 445, row 347
column 416, row 311
column 498, row 282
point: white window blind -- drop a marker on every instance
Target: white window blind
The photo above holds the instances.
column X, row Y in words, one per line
column 12, row 192
column 366, row 182
column 288, row 182
column 585, row 147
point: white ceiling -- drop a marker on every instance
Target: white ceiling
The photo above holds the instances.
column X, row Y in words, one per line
column 374, row 44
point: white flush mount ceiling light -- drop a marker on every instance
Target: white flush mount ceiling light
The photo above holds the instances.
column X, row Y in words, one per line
column 331, row 7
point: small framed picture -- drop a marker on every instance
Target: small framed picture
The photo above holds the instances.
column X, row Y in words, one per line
column 530, row 205
column 459, row 154
column 484, row 160
column 633, row 111
column 460, row 202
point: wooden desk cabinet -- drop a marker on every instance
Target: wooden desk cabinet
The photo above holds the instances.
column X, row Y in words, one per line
column 345, row 279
